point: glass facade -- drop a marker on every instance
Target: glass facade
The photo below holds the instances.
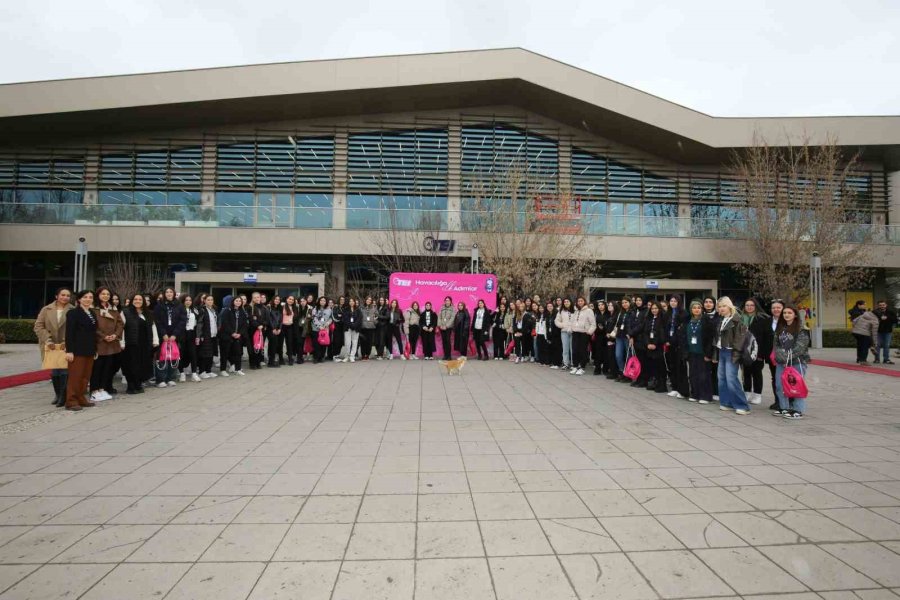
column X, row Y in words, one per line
column 304, row 164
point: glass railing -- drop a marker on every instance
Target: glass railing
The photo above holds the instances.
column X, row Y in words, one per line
column 400, row 219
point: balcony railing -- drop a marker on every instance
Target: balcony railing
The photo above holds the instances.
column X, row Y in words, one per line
column 266, row 217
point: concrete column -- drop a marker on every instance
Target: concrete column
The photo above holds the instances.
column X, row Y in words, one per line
column 91, row 177
column 208, row 174
column 454, row 177
column 339, row 272
column 339, row 196
column 684, row 206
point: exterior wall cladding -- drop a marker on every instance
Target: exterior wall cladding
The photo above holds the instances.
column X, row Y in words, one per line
column 286, row 176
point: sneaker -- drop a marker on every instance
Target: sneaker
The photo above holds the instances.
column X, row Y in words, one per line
column 346, row 359
column 223, row 374
column 532, row 359
column 95, row 397
column 741, row 411
column 692, row 400
column 779, row 413
column 715, row 397
column 723, row 407
column 702, row 401
column 171, row 384
column 402, row 357
column 554, row 367
column 792, row 414
column 579, row 372
column 104, row 395
column 390, row 357
column 673, row 394
column 182, row 378
column 888, row 362
column 352, row 359
column 195, row 377
column 414, row 357
column 241, row 373
column 679, row 396
column 160, row 385
column 518, row 360
column 205, row 375
column 231, row 369
column 572, row 370
column 378, row 358
column 755, row 399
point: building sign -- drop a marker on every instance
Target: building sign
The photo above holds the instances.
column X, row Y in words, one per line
column 651, row 284
column 434, row 287
column 433, row 244
column 250, row 277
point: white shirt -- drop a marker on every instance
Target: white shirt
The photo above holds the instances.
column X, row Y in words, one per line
column 479, row 318
column 191, row 321
column 721, row 329
column 213, row 325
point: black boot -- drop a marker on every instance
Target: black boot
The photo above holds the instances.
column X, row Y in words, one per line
column 54, row 379
column 63, row 385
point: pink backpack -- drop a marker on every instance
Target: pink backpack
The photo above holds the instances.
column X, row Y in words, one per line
column 258, row 341
column 324, row 338
column 793, row 384
column 169, row 352
column 632, row 367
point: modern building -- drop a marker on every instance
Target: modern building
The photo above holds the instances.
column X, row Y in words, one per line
column 280, row 176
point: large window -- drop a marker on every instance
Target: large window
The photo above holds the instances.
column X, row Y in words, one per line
column 274, row 209
column 51, row 181
column 398, row 163
column 497, row 158
column 301, row 164
column 427, row 213
column 160, row 185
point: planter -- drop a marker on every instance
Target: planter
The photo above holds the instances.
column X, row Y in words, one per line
column 164, row 223
column 128, row 223
column 201, row 223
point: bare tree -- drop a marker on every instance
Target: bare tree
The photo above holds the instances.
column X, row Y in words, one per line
column 799, row 200
column 127, row 276
column 531, row 240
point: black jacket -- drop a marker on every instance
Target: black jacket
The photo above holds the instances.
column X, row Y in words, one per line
column 653, row 331
column 208, row 346
column 706, row 331
column 432, row 319
column 635, row 325
column 81, row 332
column 673, row 323
column 232, row 321
column 527, row 324
column 351, row 319
column 761, row 328
column 486, row 321
column 171, row 319
column 553, row 332
column 887, row 320
column 384, row 315
column 461, row 324
column 259, row 315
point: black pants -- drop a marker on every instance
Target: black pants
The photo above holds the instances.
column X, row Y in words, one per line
column 612, row 366
column 598, row 346
column 290, row 342
column 580, row 342
column 413, row 337
column 366, row 338
column 863, row 343
column 205, row 363
column 712, row 371
column 102, row 373
column 319, row 350
column 446, row 343
column 523, row 345
column 499, row 338
column 276, row 345
column 337, row 340
column 698, row 374
column 381, row 339
column 543, row 350
column 188, row 352
column 428, row 343
column 657, row 374
column 677, row 372
column 772, row 370
column 394, row 335
column 480, row 336
column 753, row 379
column 231, row 351
column 256, row 358
column 641, row 354
column 555, row 350
column 301, row 348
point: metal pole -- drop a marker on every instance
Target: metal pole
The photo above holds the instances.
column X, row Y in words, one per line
column 475, row 265
column 81, row 255
column 815, row 297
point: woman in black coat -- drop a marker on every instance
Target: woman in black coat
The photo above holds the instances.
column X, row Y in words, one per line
column 233, row 330
column 481, row 329
column 207, row 334
column 759, row 324
column 461, row 324
column 137, row 356
column 171, row 319
column 554, row 337
column 653, row 338
column 598, row 345
column 81, row 347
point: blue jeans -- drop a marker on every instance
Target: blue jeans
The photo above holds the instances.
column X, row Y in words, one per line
column 884, row 344
column 784, row 403
column 621, row 351
column 731, row 392
column 567, row 348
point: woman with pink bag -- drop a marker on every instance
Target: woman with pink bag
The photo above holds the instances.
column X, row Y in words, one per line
column 170, row 318
column 791, row 351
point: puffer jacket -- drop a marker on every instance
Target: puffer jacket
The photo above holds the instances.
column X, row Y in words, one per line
column 565, row 320
column 369, row 316
column 866, row 324
column 410, row 318
column 446, row 317
column 583, row 321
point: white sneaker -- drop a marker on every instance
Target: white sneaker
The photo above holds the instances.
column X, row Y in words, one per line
column 692, row 400
column 195, row 377
column 105, row 395
column 413, row 357
column 352, row 359
column 723, row 407
column 241, row 373
column 679, row 396
column 390, row 357
column 532, row 359
column 223, row 374
column 402, row 357
column 231, row 369
column 702, row 401
column 572, row 371
column 518, row 359
column 172, row 384
column 161, row 385
column 716, row 397
column 741, row 411
column 673, row 394
column 345, row 359
column 554, row 367
column 204, row 376
column 211, row 375
column 182, row 378
column 95, row 397
column 755, row 399
column 579, row 372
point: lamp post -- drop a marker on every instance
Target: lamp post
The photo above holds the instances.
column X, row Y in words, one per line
column 81, row 256
column 475, row 261
column 815, row 297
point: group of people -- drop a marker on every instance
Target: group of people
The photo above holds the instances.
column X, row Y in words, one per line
column 872, row 330
column 696, row 354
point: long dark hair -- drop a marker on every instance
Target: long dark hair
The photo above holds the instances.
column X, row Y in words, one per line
column 793, row 328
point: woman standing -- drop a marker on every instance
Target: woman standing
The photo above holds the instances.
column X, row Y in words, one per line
column 674, row 356
column 382, row 328
column 554, row 336
column 189, row 340
column 481, row 329
column 498, row 331
column 522, row 326
column 170, row 318
column 289, row 328
column 395, row 326
column 234, row 324
column 654, row 334
column 304, row 321
column 461, row 324
column 583, row 327
column 541, row 319
column 367, row 331
column 791, row 350
column 352, row 323
column 338, row 348
column 412, row 325
column 564, row 320
column 446, row 319
column 729, row 341
column 598, row 340
column 207, row 337
column 775, row 307
column 109, row 335
column 140, row 340
column 709, row 311
column 622, row 327
column 609, row 319
column 81, row 347
column 696, row 341
column 757, row 322
column 321, row 321
column 275, row 332
column 50, row 327
column 865, row 330
column 428, row 319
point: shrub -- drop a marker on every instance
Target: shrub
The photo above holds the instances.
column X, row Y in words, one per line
column 842, row 338
column 18, row 330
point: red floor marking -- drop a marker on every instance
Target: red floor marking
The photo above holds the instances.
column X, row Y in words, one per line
column 23, row 379
column 853, row 367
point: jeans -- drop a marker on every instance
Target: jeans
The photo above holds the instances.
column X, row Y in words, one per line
column 784, row 403
column 731, row 392
column 863, row 343
column 621, row 350
column 884, row 344
column 567, row 348
column 351, row 343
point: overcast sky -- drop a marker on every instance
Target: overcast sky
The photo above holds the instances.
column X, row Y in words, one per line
column 758, row 58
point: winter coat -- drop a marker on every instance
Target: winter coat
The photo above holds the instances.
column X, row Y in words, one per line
column 259, row 316
column 395, row 318
column 139, row 336
column 233, row 321
column 787, row 345
column 170, row 318
column 275, row 316
column 461, row 323
column 525, row 326
column 208, row 346
column 109, row 322
column 485, row 320
column 81, row 333
column 369, row 317
column 654, row 330
column 428, row 319
column 49, row 330
column 303, row 319
column 553, row 332
column 410, row 319
column 866, row 324
column 583, row 321
column 352, row 319
column 322, row 319
column 731, row 336
column 498, row 319
column 446, row 317
column 705, row 334
column 761, row 328
column 887, row 320
column 564, row 320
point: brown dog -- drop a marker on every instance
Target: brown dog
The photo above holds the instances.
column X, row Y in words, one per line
column 454, row 366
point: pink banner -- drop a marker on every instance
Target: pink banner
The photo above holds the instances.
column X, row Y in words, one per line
column 434, row 287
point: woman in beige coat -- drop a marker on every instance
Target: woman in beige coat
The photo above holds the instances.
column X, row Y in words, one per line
column 865, row 330
column 50, row 327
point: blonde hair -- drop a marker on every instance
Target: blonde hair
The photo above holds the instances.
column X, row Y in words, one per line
column 726, row 301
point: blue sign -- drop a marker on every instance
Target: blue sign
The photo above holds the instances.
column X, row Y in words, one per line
column 651, row 284
column 249, row 277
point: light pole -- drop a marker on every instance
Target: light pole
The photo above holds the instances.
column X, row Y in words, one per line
column 81, row 256
column 815, row 297
column 475, row 261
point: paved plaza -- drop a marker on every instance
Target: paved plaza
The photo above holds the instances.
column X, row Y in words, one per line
column 390, row 480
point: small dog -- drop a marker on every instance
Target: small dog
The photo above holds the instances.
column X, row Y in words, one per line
column 454, row 366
